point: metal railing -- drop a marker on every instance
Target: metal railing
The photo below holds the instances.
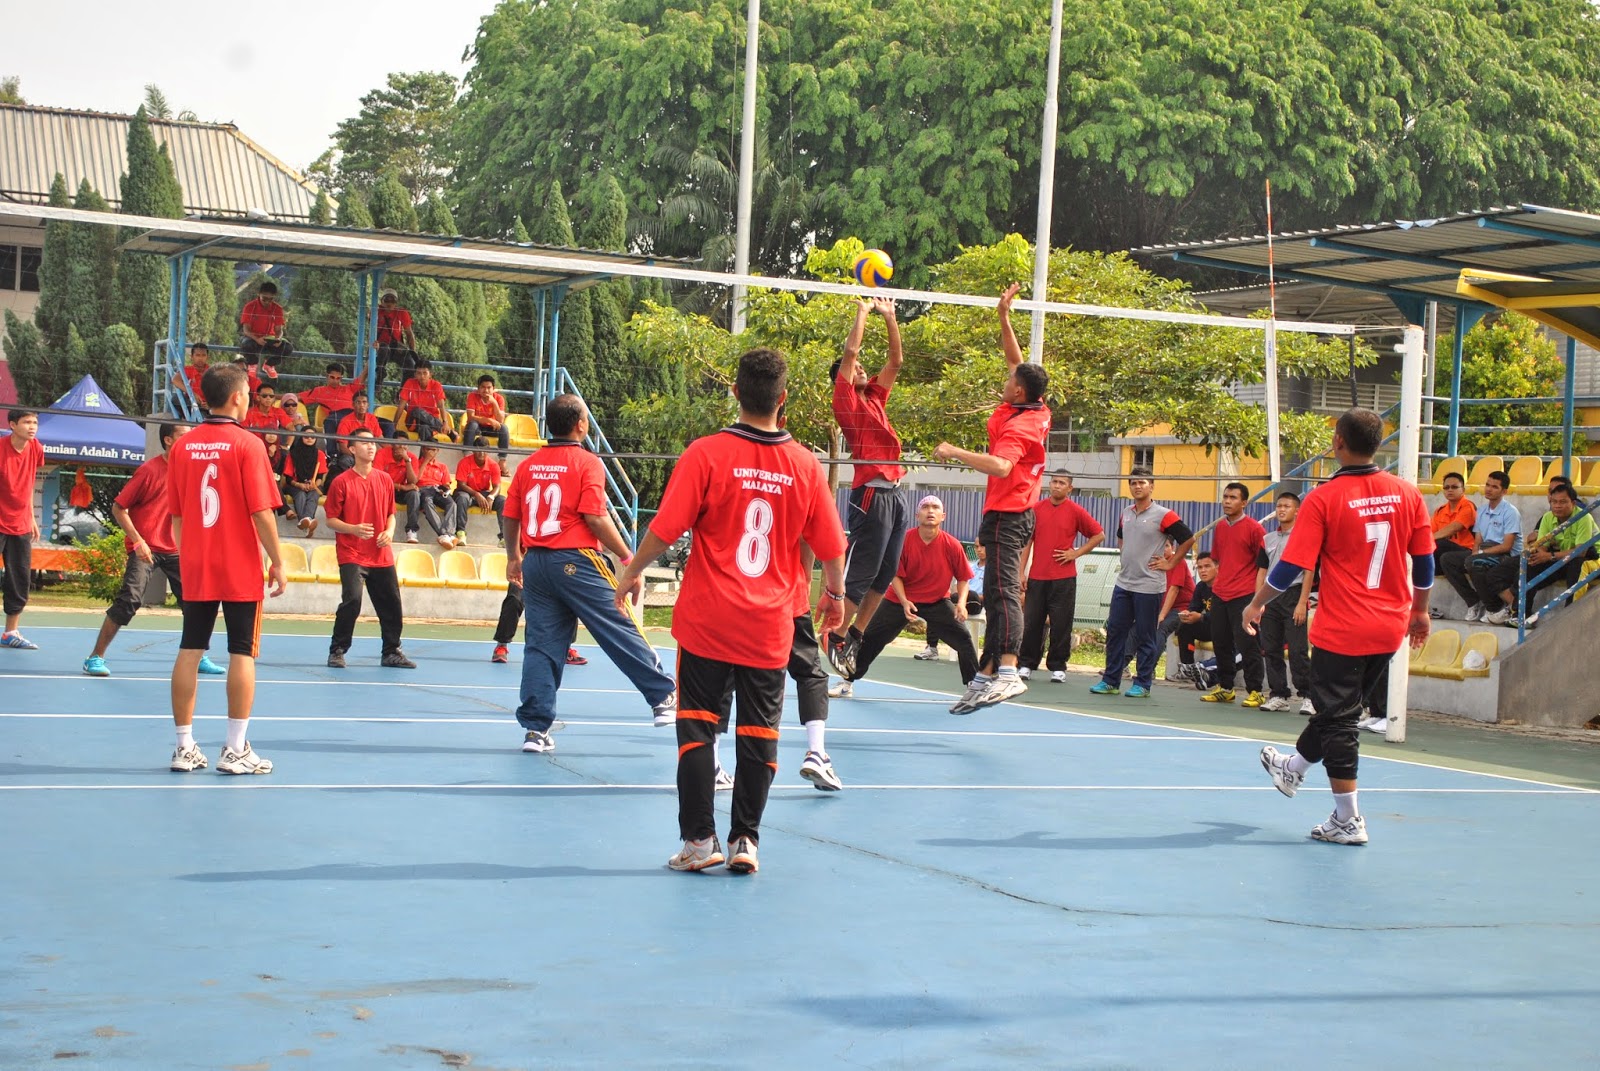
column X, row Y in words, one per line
column 1564, row 597
column 622, row 496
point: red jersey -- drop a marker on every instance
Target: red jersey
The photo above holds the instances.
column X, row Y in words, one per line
column 928, row 569
column 433, row 473
column 395, row 468
column 265, row 321
column 750, row 497
column 864, row 421
column 552, row 492
column 273, row 419
column 218, row 478
column 352, row 422
column 480, row 408
column 1018, row 434
column 145, row 499
column 1363, row 526
column 333, row 399
column 1057, row 527
column 392, row 325
column 194, row 374
column 355, row 499
column 1181, row 578
column 17, row 469
column 1236, row 546
column 430, row 398
column 320, row 467
column 484, row 478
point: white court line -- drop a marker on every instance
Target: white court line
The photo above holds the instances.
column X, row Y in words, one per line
column 303, row 682
column 303, row 635
column 216, row 785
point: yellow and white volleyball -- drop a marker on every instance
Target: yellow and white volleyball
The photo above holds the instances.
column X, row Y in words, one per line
column 874, row 268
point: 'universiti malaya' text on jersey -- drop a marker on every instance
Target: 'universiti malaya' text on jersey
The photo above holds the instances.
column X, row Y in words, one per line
column 552, row 491
column 1017, row 433
column 218, row 476
column 750, row 497
column 1364, row 525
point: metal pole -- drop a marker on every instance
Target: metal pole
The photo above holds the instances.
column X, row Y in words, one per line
column 1452, row 439
column 1047, row 186
column 1433, row 368
column 1568, row 403
column 747, row 160
column 1410, row 448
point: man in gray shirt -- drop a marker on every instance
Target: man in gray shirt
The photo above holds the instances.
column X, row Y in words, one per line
column 1284, row 620
column 1143, row 532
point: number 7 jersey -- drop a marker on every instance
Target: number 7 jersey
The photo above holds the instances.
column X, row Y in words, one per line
column 552, row 491
column 750, row 497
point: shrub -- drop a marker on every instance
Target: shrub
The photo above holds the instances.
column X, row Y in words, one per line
column 105, row 559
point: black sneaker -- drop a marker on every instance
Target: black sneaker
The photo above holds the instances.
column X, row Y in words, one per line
column 398, row 660
column 335, row 659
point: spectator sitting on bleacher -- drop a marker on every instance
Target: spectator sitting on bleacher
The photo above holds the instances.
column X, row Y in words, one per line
column 1549, row 548
column 396, row 341
column 337, row 399
column 1180, row 593
column 401, row 466
column 359, row 417
column 1453, row 524
column 261, row 322
column 486, row 416
column 423, row 406
column 279, row 459
column 433, row 485
column 1194, row 622
column 478, row 484
column 305, row 472
column 199, row 361
column 266, row 413
column 249, row 370
column 1492, row 566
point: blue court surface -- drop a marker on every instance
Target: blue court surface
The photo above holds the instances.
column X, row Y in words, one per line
column 1020, row 888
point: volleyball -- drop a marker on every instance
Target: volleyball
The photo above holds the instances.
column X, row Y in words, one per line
column 874, row 268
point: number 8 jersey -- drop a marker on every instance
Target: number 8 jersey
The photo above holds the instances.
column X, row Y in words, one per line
column 218, row 476
column 750, row 497
column 552, row 491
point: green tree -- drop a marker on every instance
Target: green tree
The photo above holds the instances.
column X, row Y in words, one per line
column 400, row 130
column 120, row 367
column 51, row 315
column 91, row 270
column 553, row 227
column 391, row 205
column 28, row 357
column 149, row 188
column 11, row 90
column 1510, row 357
column 225, row 324
column 155, row 103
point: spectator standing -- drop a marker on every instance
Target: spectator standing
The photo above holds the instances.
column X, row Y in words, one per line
column 478, row 484
column 1492, row 566
column 1179, row 594
column 1052, row 585
column 305, row 473
column 486, row 416
column 261, row 322
column 1236, row 544
column 400, row 465
column 422, row 405
column 397, row 343
column 1147, row 533
column 1453, row 536
column 359, row 417
column 1194, row 620
column 433, row 490
column 1018, row 430
column 20, row 458
column 1284, row 621
column 360, row 510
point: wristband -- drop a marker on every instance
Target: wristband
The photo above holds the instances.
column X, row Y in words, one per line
column 834, row 595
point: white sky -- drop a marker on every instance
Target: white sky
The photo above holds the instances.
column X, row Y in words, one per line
column 285, row 71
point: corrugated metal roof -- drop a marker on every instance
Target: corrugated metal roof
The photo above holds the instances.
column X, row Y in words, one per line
column 221, row 171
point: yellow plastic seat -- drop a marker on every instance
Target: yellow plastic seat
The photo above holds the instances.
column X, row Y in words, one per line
column 524, row 431
column 384, row 412
column 1590, row 484
column 1485, row 643
column 1526, row 474
column 458, row 570
column 493, row 570
column 296, row 569
column 325, row 563
column 1481, row 469
column 416, row 569
column 1439, row 652
column 1435, row 483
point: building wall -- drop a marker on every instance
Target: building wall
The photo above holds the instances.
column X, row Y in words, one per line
column 21, row 302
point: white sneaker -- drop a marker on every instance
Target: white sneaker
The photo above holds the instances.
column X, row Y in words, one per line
column 1499, row 617
column 1377, row 725
column 969, row 698
column 1336, row 832
column 698, row 854
column 1024, row 672
column 724, row 780
column 929, row 653
column 242, row 762
column 1307, row 707
column 1002, row 688
column 818, row 769
column 666, row 711
column 1276, row 764
column 1058, row 677
column 742, row 856
column 1276, row 703
column 536, row 742
column 842, row 690
column 411, row 537
column 1475, row 612
column 446, row 542
column 1365, row 723
column 188, row 758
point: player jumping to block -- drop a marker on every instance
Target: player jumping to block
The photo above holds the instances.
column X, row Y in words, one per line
column 1360, row 527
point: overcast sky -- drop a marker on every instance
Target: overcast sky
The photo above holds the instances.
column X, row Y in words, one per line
column 285, row 72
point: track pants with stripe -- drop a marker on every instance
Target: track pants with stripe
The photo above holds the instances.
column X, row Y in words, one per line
column 558, row 588
column 702, row 685
column 1004, row 537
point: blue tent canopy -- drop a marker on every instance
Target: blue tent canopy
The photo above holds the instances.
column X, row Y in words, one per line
column 90, row 439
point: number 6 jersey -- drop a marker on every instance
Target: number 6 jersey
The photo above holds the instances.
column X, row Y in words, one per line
column 750, row 497
column 552, row 491
column 218, row 476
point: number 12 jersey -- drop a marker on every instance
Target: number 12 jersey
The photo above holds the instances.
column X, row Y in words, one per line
column 552, row 491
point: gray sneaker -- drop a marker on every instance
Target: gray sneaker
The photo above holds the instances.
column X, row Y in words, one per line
column 969, row 699
column 1334, row 831
column 185, row 759
column 698, row 855
column 243, row 762
column 335, row 659
column 842, row 690
column 536, row 742
column 723, row 781
column 1277, row 766
column 818, row 769
column 1002, row 688
column 398, row 660
column 665, row 712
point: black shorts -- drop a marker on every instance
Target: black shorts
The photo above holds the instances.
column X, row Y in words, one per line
column 136, row 577
column 878, row 521
column 243, row 620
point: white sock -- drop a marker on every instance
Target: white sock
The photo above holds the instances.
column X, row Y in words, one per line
column 716, row 749
column 1298, row 763
column 815, row 731
column 236, row 731
column 185, row 737
column 981, row 678
column 1008, row 671
column 1344, row 806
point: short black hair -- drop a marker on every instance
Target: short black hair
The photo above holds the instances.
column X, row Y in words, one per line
column 480, row 443
column 1198, row 558
column 17, row 414
column 486, row 378
column 1143, row 471
column 1237, row 486
column 1033, row 380
column 761, row 381
column 1456, row 476
column 421, row 364
column 1502, row 479
column 167, row 432
column 833, row 370
column 1361, row 430
column 1287, row 494
column 221, row 382
column 335, row 366
column 358, row 432
column 1562, row 488
column 199, row 346
column 561, row 416
column 268, row 287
